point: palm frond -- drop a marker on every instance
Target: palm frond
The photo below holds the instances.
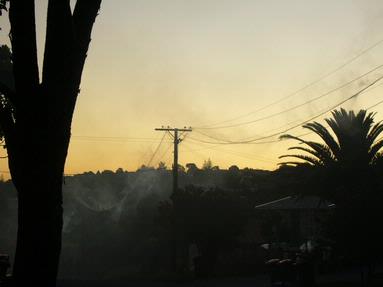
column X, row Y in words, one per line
column 374, row 150
column 296, row 163
column 321, row 151
column 306, row 158
column 290, row 137
column 352, row 142
column 374, row 133
column 325, row 136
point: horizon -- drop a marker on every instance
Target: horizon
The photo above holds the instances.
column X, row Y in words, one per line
column 206, row 62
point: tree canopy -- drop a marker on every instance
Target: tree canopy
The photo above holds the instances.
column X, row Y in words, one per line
column 351, row 141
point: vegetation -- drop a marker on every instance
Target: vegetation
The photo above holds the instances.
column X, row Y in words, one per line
column 130, row 222
column 118, row 217
column 124, row 220
column 211, row 219
column 346, row 170
column 355, row 143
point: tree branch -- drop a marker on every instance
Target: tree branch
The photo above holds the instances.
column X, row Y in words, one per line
column 66, row 45
column 23, row 39
column 58, row 50
column 84, row 15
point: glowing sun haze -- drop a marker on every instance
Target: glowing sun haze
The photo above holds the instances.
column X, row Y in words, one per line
column 199, row 62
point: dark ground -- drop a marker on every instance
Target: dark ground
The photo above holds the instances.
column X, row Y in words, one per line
column 349, row 278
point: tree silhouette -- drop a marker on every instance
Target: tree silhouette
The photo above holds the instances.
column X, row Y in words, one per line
column 348, row 158
column 345, row 170
column 191, row 168
column 355, row 142
column 37, row 128
column 212, row 219
column 162, row 166
column 207, row 164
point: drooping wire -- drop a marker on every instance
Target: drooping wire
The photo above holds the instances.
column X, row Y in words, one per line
column 164, row 153
column 113, row 139
column 297, row 125
column 296, row 106
column 310, row 84
column 156, row 150
column 235, row 153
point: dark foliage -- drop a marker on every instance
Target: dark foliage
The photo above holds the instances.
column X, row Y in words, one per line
column 346, row 170
column 212, row 219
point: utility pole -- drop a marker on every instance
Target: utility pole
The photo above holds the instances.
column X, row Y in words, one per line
column 177, row 140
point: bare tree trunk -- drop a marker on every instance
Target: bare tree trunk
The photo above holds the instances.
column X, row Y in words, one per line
column 36, row 122
column 39, row 235
column 38, row 174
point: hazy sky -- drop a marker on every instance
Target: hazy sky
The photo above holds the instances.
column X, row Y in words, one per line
column 200, row 62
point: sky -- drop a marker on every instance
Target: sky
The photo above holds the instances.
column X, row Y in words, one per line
column 214, row 63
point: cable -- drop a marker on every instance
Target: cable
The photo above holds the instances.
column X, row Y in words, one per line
column 156, row 150
column 113, row 139
column 297, row 106
column 375, row 105
column 65, row 174
column 236, row 153
column 165, row 153
column 304, row 87
column 370, row 107
column 298, row 125
column 144, row 155
column 185, row 145
column 305, row 134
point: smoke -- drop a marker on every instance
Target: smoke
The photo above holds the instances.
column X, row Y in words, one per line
column 117, row 194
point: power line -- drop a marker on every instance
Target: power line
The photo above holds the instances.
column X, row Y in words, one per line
column 65, row 174
column 164, row 153
column 195, row 152
column 235, row 153
column 310, row 84
column 114, row 139
column 220, row 144
column 297, row 106
column 328, row 110
column 298, row 125
column 156, row 150
column 368, row 108
column 288, row 124
column 325, row 111
column 110, row 137
column 375, row 105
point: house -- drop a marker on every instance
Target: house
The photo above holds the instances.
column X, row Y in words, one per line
column 293, row 219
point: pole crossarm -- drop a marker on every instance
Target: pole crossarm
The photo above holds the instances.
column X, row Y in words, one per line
column 169, row 129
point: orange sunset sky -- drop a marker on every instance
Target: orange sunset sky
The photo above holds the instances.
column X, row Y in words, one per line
column 216, row 63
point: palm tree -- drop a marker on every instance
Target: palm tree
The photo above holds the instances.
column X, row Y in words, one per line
column 345, row 175
column 351, row 142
